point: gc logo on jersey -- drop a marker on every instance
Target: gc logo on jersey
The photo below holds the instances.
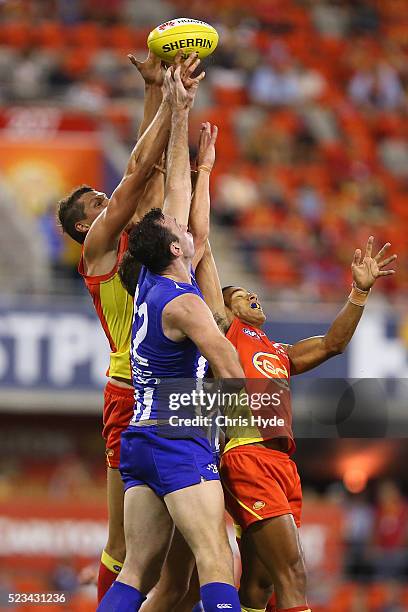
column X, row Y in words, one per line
column 269, row 365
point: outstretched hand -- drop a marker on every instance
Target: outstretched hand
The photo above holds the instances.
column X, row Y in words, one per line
column 180, row 95
column 187, row 68
column 365, row 272
column 151, row 69
column 206, row 145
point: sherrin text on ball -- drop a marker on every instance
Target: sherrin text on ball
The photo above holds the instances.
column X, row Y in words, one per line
column 189, row 35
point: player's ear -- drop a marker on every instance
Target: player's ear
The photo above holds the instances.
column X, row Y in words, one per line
column 175, row 249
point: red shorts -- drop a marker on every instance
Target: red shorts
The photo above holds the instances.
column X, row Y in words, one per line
column 260, row 483
column 117, row 412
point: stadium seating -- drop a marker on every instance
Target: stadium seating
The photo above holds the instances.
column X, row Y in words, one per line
column 345, row 147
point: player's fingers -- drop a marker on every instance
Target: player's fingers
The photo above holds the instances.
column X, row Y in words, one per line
column 190, row 60
column 177, row 75
column 385, row 272
column 152, row 57
column 178, row 58
column 214, row 134
column 199, row 78
column 387, row 261
column 168, row 77
column 134, row 61
column 382, row 251
column 190, row 69
column 202, row 136
column 369, row 247
column 357, row 257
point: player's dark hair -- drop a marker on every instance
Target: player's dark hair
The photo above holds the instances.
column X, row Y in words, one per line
column 129, row 270
column 227, row 287
column 149, row 243
column 71, row 210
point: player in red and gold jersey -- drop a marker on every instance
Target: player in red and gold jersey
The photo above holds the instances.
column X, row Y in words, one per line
column 101, row 225
column 261, row 483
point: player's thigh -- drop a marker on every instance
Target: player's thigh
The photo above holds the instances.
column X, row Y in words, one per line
column 148, row 529
column 276, row 542
column 115, row 504
column 199, row 513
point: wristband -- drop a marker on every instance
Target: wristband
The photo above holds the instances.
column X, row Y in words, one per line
column 204, row 168
column 358, row 296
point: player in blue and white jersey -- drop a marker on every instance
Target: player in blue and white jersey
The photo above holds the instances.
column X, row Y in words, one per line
column 171, row 481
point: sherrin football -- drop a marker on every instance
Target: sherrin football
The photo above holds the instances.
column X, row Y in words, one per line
column 189, row 35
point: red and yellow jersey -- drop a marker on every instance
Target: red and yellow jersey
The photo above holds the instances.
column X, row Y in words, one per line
column 261, row 359
column 114, row 307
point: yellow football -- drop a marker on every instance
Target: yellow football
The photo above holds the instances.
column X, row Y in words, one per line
column 187, row 34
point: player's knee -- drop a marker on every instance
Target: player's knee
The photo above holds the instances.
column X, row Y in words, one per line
column 216, row 555
column 146, row 574
column 256, row 584
column 255, row 588
column 255, row 593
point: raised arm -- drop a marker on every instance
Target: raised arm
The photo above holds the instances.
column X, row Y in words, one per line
column 153, row 195
column 188, row 316
column 153, row 76
column 209, row 282
column 309, row 353
column 177, row 198
column 103, row 237
column 105, row 232
column 199, row 219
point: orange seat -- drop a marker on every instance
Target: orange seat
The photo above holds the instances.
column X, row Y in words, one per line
column 377, row 596
column 50, row 35
column 346, row 594
column 277, row 268
column 16, row 34
column 124, row 38
column 30, row 584
column 77, row 61
column 230, row 97
column 404, row 597
column 86, row 35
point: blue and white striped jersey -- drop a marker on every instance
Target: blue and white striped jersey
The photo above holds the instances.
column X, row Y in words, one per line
column 155, row 357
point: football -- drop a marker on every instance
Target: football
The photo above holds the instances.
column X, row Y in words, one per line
column 187, row 34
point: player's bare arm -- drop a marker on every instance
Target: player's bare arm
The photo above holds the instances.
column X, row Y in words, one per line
column 199, row 219
column 152, row 71
column 178, row 180
column 309, row 353
column 187, row 316
column 153, row 195
column 209, row 282
column 153, row 75
column 103, row 236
